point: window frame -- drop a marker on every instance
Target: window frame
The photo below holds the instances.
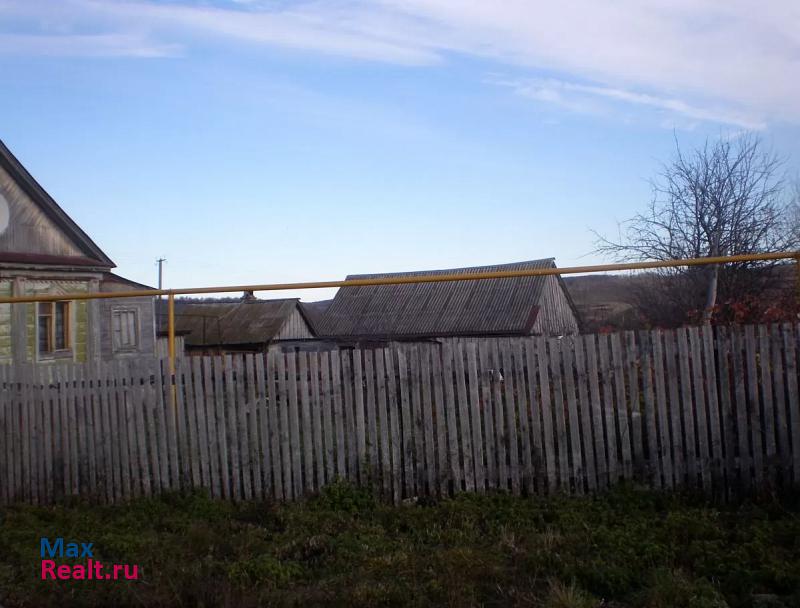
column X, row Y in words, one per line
column 52, row 339
column 136, row 333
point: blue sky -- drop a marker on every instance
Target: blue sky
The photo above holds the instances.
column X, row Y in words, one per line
column 251, row 142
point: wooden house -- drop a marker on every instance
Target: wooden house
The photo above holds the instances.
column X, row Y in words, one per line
column 521, row 306
column 247, row 325
column 44, row 252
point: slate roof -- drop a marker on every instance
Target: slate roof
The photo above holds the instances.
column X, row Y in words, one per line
column 482, row 307
column 229, row 323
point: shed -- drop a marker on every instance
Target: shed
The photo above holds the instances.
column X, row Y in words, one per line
column 535, row 305
column 247, row 325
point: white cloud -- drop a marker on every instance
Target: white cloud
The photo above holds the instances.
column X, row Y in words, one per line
column 731, row 62
column 583, row 98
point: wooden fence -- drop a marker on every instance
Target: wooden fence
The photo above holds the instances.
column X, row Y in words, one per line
column 715, row 410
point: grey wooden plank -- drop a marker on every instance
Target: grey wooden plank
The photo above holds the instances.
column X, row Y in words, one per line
column 710, row 377
column 327, row 416
column 305, row 422
column 754, row 407
column 721, row 347
column 222, row 427
column 667, row 462
column 791, row 336
column 414, row 374
column 510, row 417
column 621, row 407
column 442, row 460
column 382, row 419
column 338, row 410
column 585, row 413
column 11, row 433
column 358, row 404
column 686, row 411
column 462, row 406
column 498, row 407
column 573, row 421
column 740, row 398
column 295, row 447
column 768, row 420
column 180, row 399
column 593, row 372
column 232, row 426
column 290, row 485
column 163, row 390
column 5, row 433
column 475, row 415
column 151, row 433
column 635, row 405
column 261, row 407
column 559, row 409
column 351, row 443
column 409, row 480
column 394, row 424
column 317, row 407
column 485, row 379
column 24, row 374
column 6, row 457
column 139, row 404
column 277, row 420
column 427, row 418
column 253, row 468
column 371, row 416
column 676, row 433
column 35, row 433
column 122, row 392
column 242, row 408
column 17, row 417
column 187, row 406
column 650, row 412
column 109, row 422
column 547, row 414
column 451, row 418
column 209, row 398
column 46, row 450
column 609, row 417
column 83, row 412
column 779, row 396
column 193, row 368
column 703, row 428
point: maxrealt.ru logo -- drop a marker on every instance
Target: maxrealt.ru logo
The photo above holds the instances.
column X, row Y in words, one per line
column 90, row 570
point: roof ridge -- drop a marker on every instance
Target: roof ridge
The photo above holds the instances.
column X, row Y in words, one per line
column 446, row 270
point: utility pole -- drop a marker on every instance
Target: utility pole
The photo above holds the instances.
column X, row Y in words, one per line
column 160, row 262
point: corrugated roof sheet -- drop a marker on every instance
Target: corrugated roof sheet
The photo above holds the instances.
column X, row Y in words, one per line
column 217, row 323
column 492, row 306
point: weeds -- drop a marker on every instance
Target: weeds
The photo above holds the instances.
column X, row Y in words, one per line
column 625, row 548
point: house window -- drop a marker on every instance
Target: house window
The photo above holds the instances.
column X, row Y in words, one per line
column 125, row 329
column 53, row 324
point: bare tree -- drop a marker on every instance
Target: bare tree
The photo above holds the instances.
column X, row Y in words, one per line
column 724, row 198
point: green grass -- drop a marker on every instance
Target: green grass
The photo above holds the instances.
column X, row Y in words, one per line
column 626, row 548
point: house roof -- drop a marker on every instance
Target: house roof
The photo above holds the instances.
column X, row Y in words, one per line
column 218, row 323
column 506, row 306
column 93, row 254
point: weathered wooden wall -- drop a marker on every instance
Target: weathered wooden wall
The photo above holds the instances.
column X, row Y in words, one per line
column 712, row 410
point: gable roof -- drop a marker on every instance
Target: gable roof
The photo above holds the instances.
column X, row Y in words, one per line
column 506, row 306
column 93, row 254
column 218, row 323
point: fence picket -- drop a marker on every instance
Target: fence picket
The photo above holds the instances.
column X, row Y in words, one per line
column 754, row 406
column 510, row 408
column 791, row 336
column 686, row 411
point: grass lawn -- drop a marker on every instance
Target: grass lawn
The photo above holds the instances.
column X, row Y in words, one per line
column 626, row 548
